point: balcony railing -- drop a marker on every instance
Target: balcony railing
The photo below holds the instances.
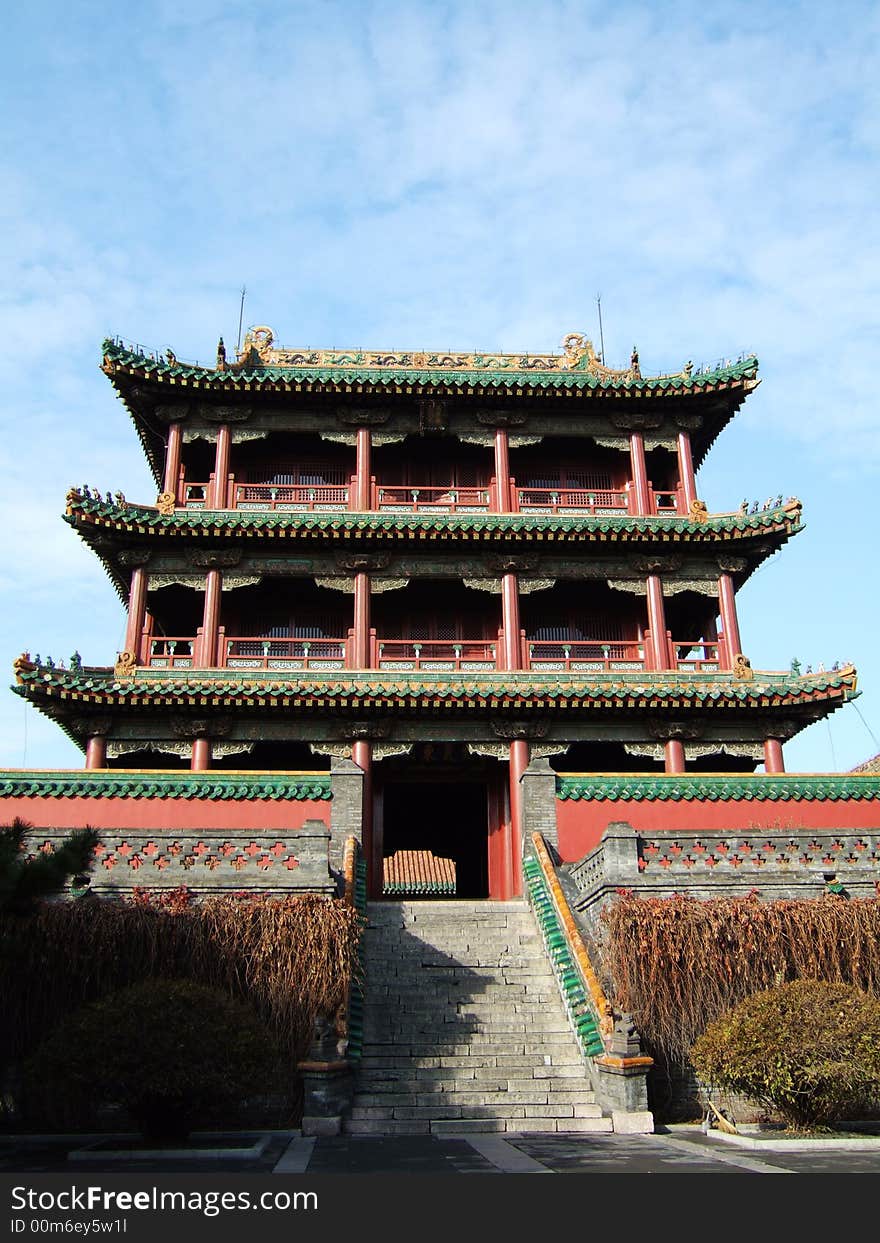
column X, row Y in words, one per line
column 171, row 653
column 436, row 655
column 195, row 495
column 271, row 653
column 667, row 503
column 571, row 501
column 417, row 500
column 696, row 657
column 585, row 656
column 291, row 498
column 433, row 655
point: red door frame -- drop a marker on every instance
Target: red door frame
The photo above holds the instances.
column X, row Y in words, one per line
column 501, row 864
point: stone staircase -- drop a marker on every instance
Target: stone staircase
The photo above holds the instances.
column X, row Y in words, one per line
column 464, row 1029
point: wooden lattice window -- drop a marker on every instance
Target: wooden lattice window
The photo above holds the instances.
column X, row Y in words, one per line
column 297, row 474
column 566, row 479
column 577, row 628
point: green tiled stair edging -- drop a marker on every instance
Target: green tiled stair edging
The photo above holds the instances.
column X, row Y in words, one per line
column 810, row 787
column 355, row 1024
column 235, row 787
column 575, row 995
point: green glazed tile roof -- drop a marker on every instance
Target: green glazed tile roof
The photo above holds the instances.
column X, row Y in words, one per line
column 228, row 786
column 632, row 787
column 487, row 372
column 85, row 511
column 377, row 690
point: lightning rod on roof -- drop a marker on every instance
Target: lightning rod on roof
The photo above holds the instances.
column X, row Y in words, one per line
column 240, row 317
column 601, row 333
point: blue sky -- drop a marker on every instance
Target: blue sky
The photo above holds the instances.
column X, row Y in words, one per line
column 439, row 175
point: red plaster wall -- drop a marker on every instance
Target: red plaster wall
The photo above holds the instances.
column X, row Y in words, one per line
column 581, row 824
column 175, row 815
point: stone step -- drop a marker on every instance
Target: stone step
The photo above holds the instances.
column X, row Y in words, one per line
column 477, row 1126
column 464, row 1029
column 578, row 1104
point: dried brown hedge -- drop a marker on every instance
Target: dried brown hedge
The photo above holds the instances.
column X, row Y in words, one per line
column 290, row 958
column 676, row 964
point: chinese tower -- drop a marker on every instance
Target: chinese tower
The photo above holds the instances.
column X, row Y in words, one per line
column 438, row 602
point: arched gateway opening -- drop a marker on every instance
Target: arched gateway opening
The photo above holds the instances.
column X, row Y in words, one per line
column 441, row 825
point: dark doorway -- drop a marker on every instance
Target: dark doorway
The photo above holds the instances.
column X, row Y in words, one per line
column 449, row 818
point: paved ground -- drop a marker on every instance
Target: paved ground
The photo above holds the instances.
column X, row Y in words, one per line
column 678, row 1150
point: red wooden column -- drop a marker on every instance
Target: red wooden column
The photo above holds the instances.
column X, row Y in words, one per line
column 657, row 622
column 172, row 461
column 674, row 756
column 362, row 754
column 502, row 471
column 686, row 470
column 512, row 875
column 137, row 610
column 211, row 619
column 363, row 469
column 729, row 622
column 510, row 621
column 639, row 473
column 361, row 654
column 773, row 761
column 96, row 751
column 221, row 468
column 201, row 755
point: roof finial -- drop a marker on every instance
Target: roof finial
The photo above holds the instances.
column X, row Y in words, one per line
column 221, row 355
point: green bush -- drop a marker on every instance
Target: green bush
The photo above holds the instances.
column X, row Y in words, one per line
column 170, row 1052
column 807, row 1049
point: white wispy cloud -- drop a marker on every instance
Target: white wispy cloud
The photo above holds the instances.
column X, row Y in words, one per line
column 441, row 174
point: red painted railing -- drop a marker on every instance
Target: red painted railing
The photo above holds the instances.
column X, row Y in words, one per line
column 432, row 655
column 439, row 655
column 271, row 653
column 572, row 500
column 420, row 499
column 194, row 493
column 172, row 653
column 667, row 502
column 586, row 655
column 696, row 657
column 291, row 498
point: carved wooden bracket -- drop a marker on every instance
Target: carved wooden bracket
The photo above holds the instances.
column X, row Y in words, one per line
column 636, row 420
column 213, row 558
column 350, row 416
column 173, row 414
column 679, row 730
column 501, row 418
column 362, row 562
column 225, row 414
column 433, row 416
column 134, row 556
column 519, row 731
column 512, row 563
column 732, row 565
column 200, row 727
column 656, row 564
